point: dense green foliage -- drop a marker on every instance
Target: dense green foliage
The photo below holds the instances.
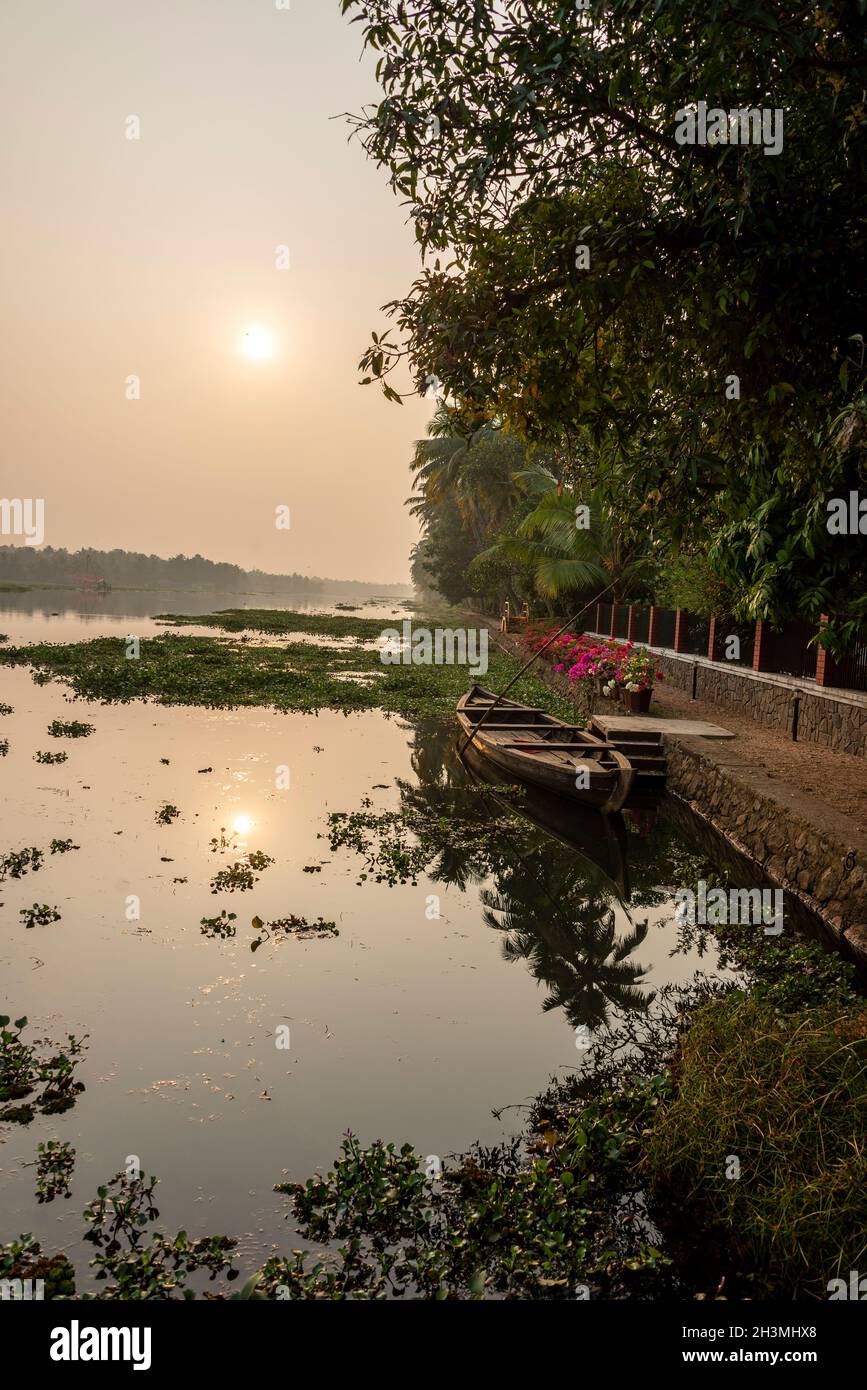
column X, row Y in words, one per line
column 519, row 133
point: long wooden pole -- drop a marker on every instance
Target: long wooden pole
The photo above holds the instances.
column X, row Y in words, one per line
column 527, row 664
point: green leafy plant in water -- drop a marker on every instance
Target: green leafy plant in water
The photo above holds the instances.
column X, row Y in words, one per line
column 6, row 709
column 23, row 1071
column 23, row 1259
column 226, row 673
column 39, row 915
column 166, row 814
column 41, row 757
column 141, row 1265
column 241, row 876
column 499, row 1222
column 4, row 747
column 18, row 862
column 62, row 846
column 222, row 926
column 398, row 846
column 301, row 927
column 236, row 878
column 73, row 728
column 54, row 1167
column 220, row 844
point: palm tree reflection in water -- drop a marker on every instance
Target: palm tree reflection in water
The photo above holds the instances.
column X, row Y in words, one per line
column 555, row 903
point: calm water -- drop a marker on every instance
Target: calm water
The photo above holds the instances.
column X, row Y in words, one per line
column 402, row 1027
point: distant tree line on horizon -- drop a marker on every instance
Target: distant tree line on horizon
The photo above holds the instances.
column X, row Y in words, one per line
column 22, row 564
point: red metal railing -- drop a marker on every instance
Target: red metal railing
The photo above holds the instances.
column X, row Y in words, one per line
column 787, row 648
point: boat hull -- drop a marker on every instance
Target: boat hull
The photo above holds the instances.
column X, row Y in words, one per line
column 527, row 745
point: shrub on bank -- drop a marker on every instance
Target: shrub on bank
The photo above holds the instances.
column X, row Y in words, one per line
column 786, row 1096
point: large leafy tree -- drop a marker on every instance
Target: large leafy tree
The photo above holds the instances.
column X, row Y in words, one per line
column 521, row 131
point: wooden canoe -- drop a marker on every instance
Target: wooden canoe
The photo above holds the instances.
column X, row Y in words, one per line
column 528, row 745
column 600, row 840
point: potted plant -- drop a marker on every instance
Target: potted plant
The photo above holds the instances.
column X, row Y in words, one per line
column 637, row 675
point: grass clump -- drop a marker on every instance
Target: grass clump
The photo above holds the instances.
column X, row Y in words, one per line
column 785, row 1094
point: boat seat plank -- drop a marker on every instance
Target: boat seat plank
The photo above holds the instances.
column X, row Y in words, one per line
column 579, row 747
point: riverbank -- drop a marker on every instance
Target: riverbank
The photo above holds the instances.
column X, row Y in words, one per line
column 617, row 1186
column 795, row 811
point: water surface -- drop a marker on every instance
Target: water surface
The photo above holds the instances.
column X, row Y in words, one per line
column 406, row 1025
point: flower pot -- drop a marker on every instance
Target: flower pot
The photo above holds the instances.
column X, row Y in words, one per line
column 638, row 701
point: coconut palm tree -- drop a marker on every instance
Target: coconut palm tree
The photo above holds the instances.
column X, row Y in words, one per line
column 569, row 543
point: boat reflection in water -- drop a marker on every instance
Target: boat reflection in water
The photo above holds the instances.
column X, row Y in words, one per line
column 551, row 875
column 599, row 839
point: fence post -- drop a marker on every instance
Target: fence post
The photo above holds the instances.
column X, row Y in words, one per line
column 762, row 642
column 651, row 627
column 827, row 670
column 679, row 626
column 614, row 608
column 630, row 622
column 598, row 627
column 713, row 640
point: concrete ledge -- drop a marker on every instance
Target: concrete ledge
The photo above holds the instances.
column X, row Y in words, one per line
column 646, row 724
column 827, row 715
column 803, row 846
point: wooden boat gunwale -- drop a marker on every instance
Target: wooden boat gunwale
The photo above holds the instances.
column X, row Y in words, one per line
column 610, row 773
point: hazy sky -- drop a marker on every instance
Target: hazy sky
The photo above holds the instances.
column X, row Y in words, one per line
column 153, row 257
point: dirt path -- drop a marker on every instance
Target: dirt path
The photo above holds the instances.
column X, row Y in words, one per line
column 837, row 779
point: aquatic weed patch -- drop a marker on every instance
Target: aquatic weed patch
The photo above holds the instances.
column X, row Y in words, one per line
column 301, row 928
column 398, row 846
column 222, row 926
column 19, row 862
column 279, row 622
column 55, row 1163
column 71, row 728
column 39, row 915
column 50, row 758
column 140, row 1264
column 30, row 1080
column 242, row 875
column 517, row 1221
column 23, row 1259
column 221, row 672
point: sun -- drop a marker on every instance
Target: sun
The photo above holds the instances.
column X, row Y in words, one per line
column 242, row 824
column 257, row 342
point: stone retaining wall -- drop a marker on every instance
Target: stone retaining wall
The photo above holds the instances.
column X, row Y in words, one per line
column 833, row 718
column 806, row 848
column 797, row 843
